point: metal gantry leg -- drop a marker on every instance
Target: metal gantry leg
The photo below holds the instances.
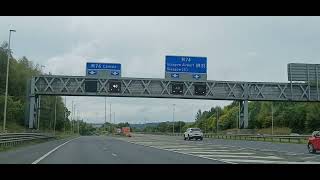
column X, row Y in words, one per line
column 33, row 108
column 243, row 116
column 32, row 112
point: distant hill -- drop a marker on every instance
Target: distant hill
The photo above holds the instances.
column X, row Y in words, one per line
column 141, row 126
column 96, row 125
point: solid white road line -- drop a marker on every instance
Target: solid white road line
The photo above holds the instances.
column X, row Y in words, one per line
column 200, row 150
column 44, row 156
column 232, row 156
column 189, row 147
column 306, row 162
column 113, row 154
column 268, row 162
column 257, row 161
column 222, row 153
column 174, row 147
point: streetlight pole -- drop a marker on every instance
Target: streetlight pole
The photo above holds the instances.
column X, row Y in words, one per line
column 173, row 118
column 192, row 111
column 65, row 114
column 71, row 128
column 110, row 118
column 217, row 119
column 73, row 117
column 39, row 109
column 55, row 115
column 239, row 122
column 205, row 123
column 78, row 120
column 271, row 118
column 105, row 111
column 7, row 78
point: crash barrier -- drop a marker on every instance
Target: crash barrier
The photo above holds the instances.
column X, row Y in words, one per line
column 249, row 137
column 12, row 139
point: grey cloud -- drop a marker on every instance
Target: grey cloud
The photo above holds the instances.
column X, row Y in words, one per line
column 238, row 48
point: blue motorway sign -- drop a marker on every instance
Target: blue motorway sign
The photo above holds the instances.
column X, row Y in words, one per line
column 103, row 69
column 184, row 64
column 109, row 66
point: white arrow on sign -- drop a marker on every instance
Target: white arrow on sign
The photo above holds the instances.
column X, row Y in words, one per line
column 196, row 76
column 114, row 73
column 92, row 72
column 175, row 75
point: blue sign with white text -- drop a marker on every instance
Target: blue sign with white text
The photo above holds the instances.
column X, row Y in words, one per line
column 109, row 66
column 186, row 64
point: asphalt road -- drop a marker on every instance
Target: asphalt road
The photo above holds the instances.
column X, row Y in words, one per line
column 153, row 149
column 97, row 150
column 231, row 151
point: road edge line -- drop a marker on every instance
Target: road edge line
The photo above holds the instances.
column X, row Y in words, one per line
column 48, row 153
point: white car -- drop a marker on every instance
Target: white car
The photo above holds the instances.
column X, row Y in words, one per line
column 193, row 133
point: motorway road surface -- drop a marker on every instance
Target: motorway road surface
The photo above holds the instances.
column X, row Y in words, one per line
column 157, row 149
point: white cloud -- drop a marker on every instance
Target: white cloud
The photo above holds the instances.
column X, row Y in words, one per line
column 252, row 53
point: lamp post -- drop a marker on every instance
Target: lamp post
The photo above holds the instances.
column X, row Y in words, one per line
column 173, row 118
column 6, row 94
column 55, row 115
column 65, row 114
column 105, row 111
column 39, row 109
column 217, row 120
column 110, row 118
column 271, row 118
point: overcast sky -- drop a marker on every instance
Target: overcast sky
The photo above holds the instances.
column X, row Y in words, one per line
column 237, row 48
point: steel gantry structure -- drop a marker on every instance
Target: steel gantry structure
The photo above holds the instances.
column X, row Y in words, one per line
column 163, row 88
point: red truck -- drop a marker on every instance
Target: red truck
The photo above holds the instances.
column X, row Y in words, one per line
column 314, row 142
column 126, row 131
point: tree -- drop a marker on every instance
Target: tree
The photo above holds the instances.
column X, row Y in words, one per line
column 198, row 115
column 20, row 72
column 313, row 117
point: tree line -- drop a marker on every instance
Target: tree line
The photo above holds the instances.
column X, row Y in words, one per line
column 21, row 70
column 299, row 117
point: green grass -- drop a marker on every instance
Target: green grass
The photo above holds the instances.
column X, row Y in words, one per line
column 61, row 135
column 12, row 127
column 276, row 131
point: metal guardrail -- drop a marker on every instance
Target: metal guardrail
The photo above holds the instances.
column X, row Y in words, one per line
column 270, row 138
column 12, row 139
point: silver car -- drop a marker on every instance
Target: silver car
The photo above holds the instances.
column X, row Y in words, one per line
column 193, row 133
